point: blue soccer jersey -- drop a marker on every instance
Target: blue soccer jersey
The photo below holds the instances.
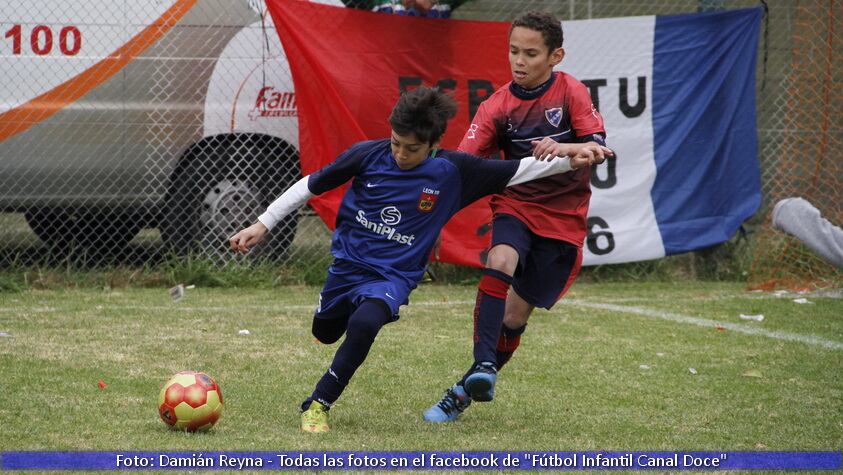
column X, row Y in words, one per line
column 390, row 218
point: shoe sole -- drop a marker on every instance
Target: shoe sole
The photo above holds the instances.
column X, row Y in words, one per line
column 431, row 421
column 437, row 421
column 315, row 430
column 479, row 389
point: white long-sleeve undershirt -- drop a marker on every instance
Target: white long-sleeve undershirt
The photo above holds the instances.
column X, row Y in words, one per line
column 530, row 169
column 289, row 201
column 297, row 195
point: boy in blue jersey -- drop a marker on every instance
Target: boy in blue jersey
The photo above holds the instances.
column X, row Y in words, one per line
column 403, row 192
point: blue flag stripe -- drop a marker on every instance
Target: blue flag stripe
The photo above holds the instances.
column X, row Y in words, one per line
column 704, row 113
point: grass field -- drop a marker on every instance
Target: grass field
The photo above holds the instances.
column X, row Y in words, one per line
column 608, row 369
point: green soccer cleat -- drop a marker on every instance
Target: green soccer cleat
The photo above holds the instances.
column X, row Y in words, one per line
column 315, row 419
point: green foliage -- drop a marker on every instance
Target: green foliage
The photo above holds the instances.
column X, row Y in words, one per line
column 200, row 272
column 10, row 283
column 728, row 262
column 452, row 274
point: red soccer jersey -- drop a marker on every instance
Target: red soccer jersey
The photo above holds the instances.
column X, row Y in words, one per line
column 554, row 207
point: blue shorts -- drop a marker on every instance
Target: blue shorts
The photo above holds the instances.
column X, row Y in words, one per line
column 348, row 285
column 546, row 267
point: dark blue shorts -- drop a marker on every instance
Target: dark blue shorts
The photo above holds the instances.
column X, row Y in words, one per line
column 348, row 285
column 546, row 267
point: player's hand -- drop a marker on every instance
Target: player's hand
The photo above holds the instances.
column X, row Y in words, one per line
column 590, row 153
column 424, row 6
column 600, row 152
column 247, row 238
column 437, row 246
column 582, row 158
column 548, row 149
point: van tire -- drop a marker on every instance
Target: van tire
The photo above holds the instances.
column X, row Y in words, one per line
column 221, row 186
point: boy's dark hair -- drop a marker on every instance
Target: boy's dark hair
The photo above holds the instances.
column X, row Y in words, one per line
column 423, row 111
column 544, row 23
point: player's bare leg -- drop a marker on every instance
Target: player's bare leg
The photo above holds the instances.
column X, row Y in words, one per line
column 503, row 258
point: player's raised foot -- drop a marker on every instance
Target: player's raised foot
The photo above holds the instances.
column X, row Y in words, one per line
column 315, row 418
column 449, row 408
column 480, row 384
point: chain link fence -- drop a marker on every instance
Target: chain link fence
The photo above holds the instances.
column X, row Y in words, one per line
column 133, row 131
column 139, row 130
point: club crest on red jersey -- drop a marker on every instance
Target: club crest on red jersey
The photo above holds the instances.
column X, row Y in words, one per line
column 554, row 116
column 427, row 200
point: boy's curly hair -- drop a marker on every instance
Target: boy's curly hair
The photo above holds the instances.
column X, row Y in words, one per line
column 544, row 23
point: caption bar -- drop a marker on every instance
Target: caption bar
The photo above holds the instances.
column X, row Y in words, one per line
column 421, row 460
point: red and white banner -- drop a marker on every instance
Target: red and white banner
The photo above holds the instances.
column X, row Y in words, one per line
column 682, row 119
column 349, row 68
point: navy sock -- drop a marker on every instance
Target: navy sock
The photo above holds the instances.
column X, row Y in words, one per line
column 488, row 314
column 508, row 342
column 363, row 326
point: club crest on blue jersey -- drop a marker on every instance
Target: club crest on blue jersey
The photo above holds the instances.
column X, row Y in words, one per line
column 554, row 116
column 427, row 200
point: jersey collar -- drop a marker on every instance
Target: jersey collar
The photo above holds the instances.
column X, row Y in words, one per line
column 527, row 94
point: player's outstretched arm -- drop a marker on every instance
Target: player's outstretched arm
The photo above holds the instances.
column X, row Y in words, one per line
column 329, row 177
column 481, row 177
column 289, row 201
column 548, row 149
column 577, row 156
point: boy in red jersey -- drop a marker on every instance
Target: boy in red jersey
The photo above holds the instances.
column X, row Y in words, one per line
column 538, row 228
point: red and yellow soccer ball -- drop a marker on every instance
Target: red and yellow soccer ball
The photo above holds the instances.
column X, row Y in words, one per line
column 190, row 401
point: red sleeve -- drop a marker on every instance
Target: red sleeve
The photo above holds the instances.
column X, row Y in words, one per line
column 481, row 137
column 585, row 119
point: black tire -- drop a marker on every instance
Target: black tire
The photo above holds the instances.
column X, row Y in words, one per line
column 103, row 231
column 221, row 186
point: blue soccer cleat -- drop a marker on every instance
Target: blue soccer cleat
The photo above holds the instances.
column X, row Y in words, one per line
column 449, row 408
column 480, row 384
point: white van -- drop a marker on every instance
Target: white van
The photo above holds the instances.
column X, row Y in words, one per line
column 115, row 116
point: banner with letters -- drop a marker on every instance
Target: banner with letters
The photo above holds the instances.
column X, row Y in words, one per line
column 677, row 94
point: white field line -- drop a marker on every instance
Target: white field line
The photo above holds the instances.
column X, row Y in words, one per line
column 704, row 322
column 642, row 311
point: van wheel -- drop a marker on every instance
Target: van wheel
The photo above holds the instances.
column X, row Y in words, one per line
column 98, row 230
column 221, row 187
